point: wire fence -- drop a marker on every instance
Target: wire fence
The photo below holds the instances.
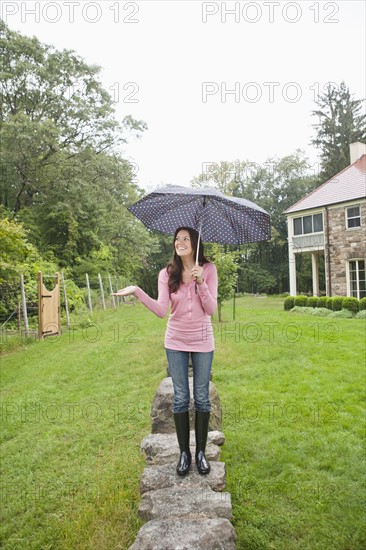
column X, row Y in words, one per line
column 19, row 303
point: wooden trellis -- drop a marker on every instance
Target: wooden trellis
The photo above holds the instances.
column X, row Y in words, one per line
column 48, row 308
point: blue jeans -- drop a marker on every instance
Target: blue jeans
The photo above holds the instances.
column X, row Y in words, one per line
column 178, row 364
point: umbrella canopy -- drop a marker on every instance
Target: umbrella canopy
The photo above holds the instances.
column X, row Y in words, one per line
column 217, row 217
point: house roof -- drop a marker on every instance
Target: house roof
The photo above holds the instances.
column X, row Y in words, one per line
column 347, row 185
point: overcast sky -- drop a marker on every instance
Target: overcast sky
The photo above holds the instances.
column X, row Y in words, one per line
column 174, row 63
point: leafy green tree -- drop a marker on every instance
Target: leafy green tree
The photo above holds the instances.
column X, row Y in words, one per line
column 227, row 267
column 256, row 280
column 341, row 123
column 62, row 175
column 15, row 249
column 18, row 256
column 275, row 186
column 52, row 102
column 161, row 251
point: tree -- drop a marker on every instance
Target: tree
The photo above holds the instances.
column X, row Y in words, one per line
column 51, row 102
column 275, row 186
column 18, row 256
column 62, row 175
column 255, row 279
column 340, row 124
column 227, row 266
column 15, row 249
column 160, row 252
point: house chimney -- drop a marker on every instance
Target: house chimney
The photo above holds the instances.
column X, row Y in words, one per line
column 357, row 150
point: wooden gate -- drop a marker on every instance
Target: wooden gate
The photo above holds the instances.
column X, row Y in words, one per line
column 48, row 308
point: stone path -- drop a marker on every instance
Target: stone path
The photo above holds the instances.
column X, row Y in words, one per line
column 191, row 512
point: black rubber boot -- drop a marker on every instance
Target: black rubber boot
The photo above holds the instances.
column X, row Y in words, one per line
column 201, row 428
column 182, row 428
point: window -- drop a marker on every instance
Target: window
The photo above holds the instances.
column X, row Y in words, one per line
column 297, row 226
column 353, row 217
column 357, row 280
column 318, row 222
column 308, row 224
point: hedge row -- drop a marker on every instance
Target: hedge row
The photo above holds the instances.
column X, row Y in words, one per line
column 324, row 312
column 335, row 304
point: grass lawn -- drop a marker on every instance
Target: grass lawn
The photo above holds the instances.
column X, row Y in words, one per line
column 75, row 409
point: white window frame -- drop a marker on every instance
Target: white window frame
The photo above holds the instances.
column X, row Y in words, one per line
column 354, row 217
column 348, row 275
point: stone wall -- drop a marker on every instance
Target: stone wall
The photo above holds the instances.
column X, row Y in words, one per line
column 190, row 512
column 345, row 244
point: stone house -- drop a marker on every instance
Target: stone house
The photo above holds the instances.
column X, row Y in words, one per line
column 331, row 221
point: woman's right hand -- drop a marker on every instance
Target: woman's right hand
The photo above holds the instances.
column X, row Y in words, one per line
column 125, row 291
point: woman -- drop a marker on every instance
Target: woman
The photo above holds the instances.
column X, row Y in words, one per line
column 191, row 291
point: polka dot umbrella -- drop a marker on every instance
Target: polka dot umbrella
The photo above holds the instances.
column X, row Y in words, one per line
column 217, row 217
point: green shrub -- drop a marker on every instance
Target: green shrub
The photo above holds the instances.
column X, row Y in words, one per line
column 351, row 304
column 288, row 303
column 322, row 301
column 313, row 301
column 337, row 303
column 299, row 309
column 342, row 314
column 320, row 312
column 329, row 303
column 301, row 301
column 75, row 296
column 361, row 314
column 362, row 304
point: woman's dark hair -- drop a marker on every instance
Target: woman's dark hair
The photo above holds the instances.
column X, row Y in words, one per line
column 175, row 266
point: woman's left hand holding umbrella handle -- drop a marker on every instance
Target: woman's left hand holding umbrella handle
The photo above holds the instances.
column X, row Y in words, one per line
column 197, row 274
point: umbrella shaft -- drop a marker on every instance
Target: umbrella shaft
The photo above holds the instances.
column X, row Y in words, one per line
column 198, row 243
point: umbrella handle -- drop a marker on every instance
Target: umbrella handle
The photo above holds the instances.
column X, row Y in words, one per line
column 198, row 243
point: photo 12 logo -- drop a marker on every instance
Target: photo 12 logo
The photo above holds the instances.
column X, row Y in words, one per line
column 127, row 93
column 57, row 412
column 281, row 413
column 70, row 12
column 291, row 490
column 39, row 491
column 253, row 332
column 269, row 12
column 268, row 91
column 252, row 92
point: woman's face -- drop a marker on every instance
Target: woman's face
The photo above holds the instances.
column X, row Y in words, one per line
column 183, row 246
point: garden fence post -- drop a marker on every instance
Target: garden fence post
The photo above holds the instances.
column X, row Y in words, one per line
column 89, row 295
column 111, row 289
column 65, row 299
column 24, row 306
column 234, row 305
column 101, row 290
column 18, row 316
column 120, row 285
column 117, row 287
